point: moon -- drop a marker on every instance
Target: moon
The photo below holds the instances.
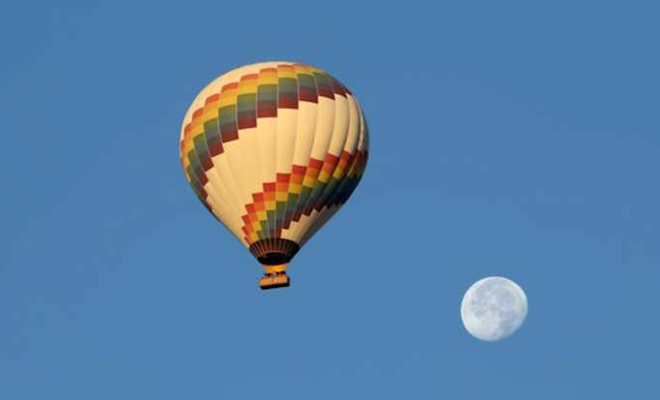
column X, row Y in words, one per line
column 493, row 308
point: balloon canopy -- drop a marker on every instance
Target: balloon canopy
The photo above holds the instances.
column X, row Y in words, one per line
column 273, row 150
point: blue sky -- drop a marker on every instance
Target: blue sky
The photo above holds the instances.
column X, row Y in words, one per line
column 514, row 138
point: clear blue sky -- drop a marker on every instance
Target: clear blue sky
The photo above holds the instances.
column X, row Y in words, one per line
column 514, row 138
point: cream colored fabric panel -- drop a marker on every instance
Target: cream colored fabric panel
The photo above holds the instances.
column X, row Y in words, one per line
column 324, row 127
column 252, row 164
column 287, row 122
column 222, row 202
column 340, row 128
column 354, row 125
column 305, row 129
column 267, row 131
column 221, row 177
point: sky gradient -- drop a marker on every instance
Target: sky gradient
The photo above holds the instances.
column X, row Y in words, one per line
column 511, row 138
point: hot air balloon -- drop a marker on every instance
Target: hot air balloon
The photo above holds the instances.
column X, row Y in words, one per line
column 273, row 150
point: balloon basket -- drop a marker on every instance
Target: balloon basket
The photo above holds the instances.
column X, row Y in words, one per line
column 273, row 282
column 275, row 277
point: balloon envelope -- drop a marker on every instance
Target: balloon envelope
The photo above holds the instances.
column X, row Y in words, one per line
column 273, row 150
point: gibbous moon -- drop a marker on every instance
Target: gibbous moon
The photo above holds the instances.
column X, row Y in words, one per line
column 493, row 308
